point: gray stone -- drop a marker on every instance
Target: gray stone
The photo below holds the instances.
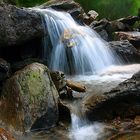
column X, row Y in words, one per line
column 29, row 99
column 18, row 25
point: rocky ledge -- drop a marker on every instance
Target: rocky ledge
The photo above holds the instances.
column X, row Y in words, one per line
column 122, row 101
column 18, row 25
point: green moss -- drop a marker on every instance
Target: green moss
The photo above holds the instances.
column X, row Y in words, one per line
column 33, row 82
column 106, row 8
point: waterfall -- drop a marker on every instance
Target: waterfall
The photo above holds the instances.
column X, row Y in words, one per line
column 75, row 49
column 81, row 130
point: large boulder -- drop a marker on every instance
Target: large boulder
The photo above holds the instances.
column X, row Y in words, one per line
column 133, row 37
column 18, row 25
column 125, row 50
column 69, row 6
column 29, row 99
column 122, row 101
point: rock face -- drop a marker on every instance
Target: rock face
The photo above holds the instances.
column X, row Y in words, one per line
column 29, row 99
column 65, row 5
column 122, row 101
column 59, row 80
column 126, row 51
column 18, row 25
column 123, row 24
column 132, row 37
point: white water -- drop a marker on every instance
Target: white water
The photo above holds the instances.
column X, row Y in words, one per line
column 106, row 79
column 81, row 130
column 76, row 49
column 97, row 84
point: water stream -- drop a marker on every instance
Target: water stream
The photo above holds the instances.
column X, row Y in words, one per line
column 80, row 128
column 80, row 51
column 76, row 49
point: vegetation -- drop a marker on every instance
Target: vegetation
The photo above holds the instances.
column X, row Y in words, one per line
column 106, row 8
column 112, row 8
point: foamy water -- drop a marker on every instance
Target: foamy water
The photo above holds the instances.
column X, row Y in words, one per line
column 98, row 84
column 81, row 130
column 75, row 49
column 107, row 79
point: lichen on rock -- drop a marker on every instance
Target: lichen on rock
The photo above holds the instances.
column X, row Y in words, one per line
column 29, row 99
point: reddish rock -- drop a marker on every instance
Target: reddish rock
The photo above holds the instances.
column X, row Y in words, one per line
column 137, row 120
column 132, row 37
column 5, row 135
column 76, row 86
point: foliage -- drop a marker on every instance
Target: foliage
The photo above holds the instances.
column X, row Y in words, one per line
column 111, row 8
column 106, row 8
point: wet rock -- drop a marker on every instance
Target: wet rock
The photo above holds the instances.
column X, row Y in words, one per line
column 18, row 25
column 109, row 26
column 137, row 120
column 104, row 35
column 61, row 84
column 29, row 99
column 4, row 69
column 65, row 5
column 92, row 14
column 121, row 101
column 76, row 86
column 99, row 25
column 64, row 113
column 130, row 20
column 5, row 135
column 132, row 37
column 90, row 17
column 66, row 93
column 115, row 26
column 126, row 51
column 59, row 80
column 126, row 136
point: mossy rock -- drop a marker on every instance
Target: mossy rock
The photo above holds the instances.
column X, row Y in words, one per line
column 29, row 99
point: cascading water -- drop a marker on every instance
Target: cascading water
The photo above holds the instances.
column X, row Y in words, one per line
column 81, row 130
column 75, row 49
